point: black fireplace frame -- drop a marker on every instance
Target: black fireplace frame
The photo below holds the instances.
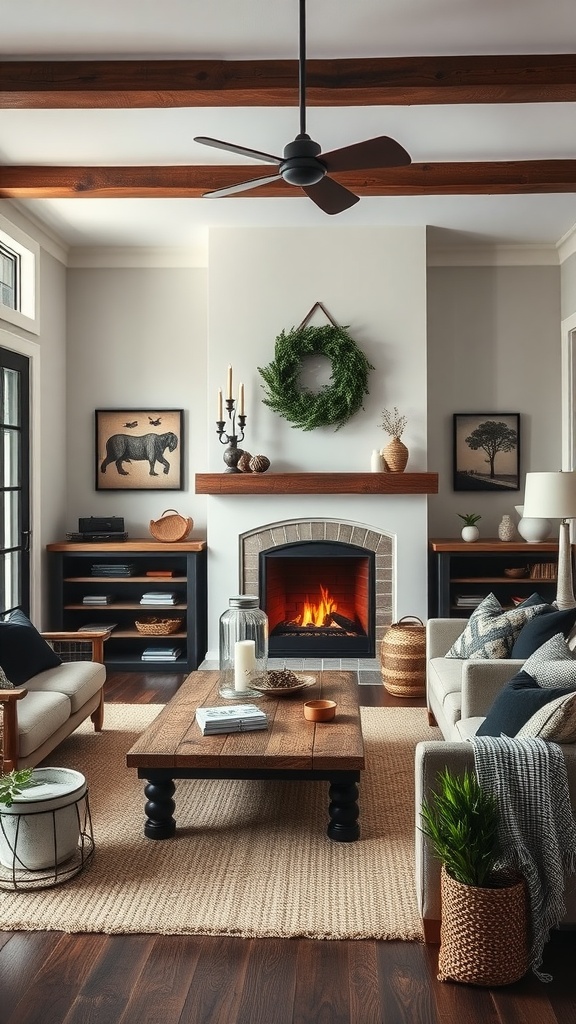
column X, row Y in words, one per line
column 316, row 646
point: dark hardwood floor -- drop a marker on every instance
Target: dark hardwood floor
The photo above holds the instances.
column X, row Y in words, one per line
column 56, row 978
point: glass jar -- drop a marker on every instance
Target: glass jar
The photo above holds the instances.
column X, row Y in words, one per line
column 243, row 647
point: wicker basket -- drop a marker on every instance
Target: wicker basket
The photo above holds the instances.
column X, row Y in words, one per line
column 484, row 938
column 158, row 627
column 171, row 527
column 403, row 657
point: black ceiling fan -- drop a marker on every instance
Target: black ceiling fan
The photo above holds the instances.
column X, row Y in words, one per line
column 304, row 164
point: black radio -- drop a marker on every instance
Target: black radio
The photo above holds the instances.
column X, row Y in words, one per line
column 101, row 524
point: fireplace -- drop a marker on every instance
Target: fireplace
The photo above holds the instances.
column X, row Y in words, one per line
column 319, row 597
column 325, row 584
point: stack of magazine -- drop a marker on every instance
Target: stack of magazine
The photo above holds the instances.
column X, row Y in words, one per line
column 240, row 718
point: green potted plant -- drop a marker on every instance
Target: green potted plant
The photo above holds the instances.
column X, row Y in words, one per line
column 470, row 531
column 484, row 933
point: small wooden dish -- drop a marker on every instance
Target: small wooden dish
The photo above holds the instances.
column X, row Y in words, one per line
column 320, row 710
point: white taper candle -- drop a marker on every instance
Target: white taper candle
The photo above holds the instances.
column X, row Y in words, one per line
column 244, row 663
column 220, row 417
column 241, row 400
column 229, row 383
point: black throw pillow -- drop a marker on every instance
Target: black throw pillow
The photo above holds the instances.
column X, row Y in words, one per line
column 537, row 631
column 516, row 704
column 23, row 652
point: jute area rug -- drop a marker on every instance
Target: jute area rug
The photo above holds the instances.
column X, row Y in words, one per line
column 249, row 858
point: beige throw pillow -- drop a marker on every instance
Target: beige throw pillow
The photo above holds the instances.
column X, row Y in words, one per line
column 556, row 721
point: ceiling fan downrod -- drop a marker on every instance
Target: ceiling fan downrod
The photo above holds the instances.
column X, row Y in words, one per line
column 300, row 165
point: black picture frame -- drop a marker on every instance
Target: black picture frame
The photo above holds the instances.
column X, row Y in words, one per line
column 490, row 466
column 128, row 456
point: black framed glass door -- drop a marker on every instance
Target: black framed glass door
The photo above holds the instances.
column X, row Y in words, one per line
column 14, row 481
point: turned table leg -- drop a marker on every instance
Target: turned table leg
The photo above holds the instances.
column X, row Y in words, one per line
column 343, row 810
column 159, row 808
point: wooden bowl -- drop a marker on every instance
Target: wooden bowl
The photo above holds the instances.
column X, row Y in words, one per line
column 319, row 710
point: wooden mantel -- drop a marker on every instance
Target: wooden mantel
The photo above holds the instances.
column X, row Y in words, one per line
column 316, row 483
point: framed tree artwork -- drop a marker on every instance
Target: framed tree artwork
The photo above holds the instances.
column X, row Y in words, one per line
column 139, row 449
column 486, row 451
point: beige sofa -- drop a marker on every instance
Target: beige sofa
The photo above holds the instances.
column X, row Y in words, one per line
column 38, row 716
column 459, row 694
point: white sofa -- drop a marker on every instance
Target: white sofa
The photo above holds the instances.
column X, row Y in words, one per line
column 38, row 716
column 453, row 684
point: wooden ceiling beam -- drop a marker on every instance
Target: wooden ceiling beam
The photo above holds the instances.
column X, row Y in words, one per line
column 118, row 84
column 156, row 182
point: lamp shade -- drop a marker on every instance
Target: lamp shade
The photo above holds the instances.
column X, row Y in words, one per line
column 550, row 495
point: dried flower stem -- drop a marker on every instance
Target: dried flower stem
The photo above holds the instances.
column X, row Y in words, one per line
column 393, row 423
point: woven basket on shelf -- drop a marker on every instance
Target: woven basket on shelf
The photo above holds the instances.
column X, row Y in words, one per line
column 403, row 657
column 158, row 627
column 484, row 937
column 171, row 528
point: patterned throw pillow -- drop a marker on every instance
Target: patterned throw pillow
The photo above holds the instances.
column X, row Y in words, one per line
column 553, row 664
column 5, row 683
column 555, row 722
column 490, row 631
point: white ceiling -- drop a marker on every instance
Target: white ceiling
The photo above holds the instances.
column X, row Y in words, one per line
column 258, row 29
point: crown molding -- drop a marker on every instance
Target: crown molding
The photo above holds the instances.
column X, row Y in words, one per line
column 26, row 221
column 567, row 245
column 493, row 256
column 193, row 257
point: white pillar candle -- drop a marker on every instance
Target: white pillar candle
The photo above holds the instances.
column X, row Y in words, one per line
column 244, row 663
column 229, row 383
column 241, row 400
column 219, row 417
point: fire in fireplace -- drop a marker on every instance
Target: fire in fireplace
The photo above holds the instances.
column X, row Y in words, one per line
column 319, row 599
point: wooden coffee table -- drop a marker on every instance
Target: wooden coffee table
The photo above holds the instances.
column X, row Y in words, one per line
column 173, row 747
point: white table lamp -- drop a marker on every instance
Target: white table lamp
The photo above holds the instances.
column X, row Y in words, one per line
column 553, row 496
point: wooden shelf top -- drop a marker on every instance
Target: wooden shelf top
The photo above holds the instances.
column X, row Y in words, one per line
column 128, row 545
column 491, row 546
column 316, row 483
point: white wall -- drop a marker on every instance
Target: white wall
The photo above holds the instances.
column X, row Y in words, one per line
column 493, row 346
column 136, row 339
column 261, row 281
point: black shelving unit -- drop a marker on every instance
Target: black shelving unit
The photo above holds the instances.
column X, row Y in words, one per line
column 71, row 578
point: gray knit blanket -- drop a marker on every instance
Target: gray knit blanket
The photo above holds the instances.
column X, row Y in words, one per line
column 537, row 832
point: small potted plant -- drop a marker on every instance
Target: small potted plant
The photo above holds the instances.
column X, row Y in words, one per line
column 485, row 929
column 395, row 454
column 470, row 531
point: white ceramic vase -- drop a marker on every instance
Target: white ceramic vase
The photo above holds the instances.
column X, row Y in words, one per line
column 42, row 826
column 533, row 530
column 470, row 533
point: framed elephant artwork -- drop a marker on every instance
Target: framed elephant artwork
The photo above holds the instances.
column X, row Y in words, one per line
column 139, row 449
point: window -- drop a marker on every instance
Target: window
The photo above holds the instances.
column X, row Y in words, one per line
column 9, row 277
column 19, row 260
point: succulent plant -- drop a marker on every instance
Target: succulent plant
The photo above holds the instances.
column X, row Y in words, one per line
column 470, row 519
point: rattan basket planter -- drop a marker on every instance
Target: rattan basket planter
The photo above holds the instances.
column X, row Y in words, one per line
column 171, row 527
column 403, row 657
column 158, row 627
column 484, row 937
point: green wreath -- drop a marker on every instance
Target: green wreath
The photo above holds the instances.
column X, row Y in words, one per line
column 335, row 403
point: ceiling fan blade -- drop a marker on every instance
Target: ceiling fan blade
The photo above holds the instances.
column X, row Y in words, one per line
column 380, row 152
column 244, row 186
column 229, row 147
column 330, row 196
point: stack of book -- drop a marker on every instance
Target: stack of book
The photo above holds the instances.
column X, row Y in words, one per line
column 154, row 597
column 469, row 600
column 113, row 569
column 97, row 599
column 96, row 627
column 161, row 653
column 240, row 718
